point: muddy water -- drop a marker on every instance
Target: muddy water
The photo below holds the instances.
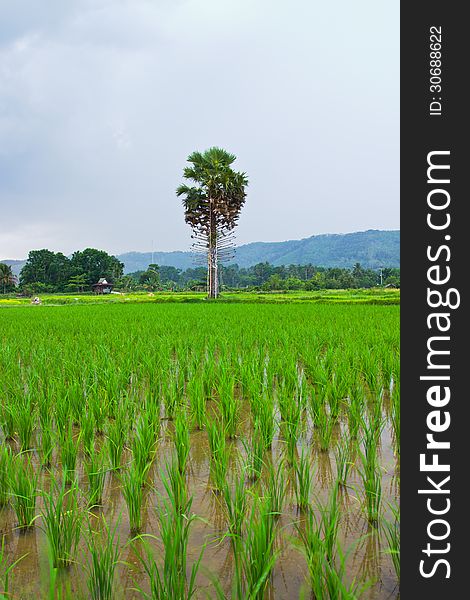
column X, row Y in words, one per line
column 365, row 546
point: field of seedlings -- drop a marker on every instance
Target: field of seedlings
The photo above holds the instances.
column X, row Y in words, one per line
column 176, row 451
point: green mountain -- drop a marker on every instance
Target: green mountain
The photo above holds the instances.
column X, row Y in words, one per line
column 372, row 248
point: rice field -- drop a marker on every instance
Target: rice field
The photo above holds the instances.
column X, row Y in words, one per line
column 177, row 451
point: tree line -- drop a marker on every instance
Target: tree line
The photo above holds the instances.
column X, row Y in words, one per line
column 263, row 276
column 48, row 272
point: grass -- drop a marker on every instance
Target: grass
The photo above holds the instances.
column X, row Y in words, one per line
column 95, row 469
column 133, row 492
column 370, row 473
column 220, row 454
column 256, row 551
column 304, row 477
column 62, row 521
column 6, row 570
column 392, row 534
column 167, row 578
column 236, row 503
column 6, row 459
column 68, row 452
column 253, row 400
column 101, row 563
column 24, row 490
column 181, row 440
column 376, row 296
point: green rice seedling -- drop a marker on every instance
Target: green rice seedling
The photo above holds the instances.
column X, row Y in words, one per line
column 335, row 587
column 170, row 396
column 6, row 570
column 334, row 397
column 68, row 452
column 371, row 371
column 317, row 399
column 24, row 490
column 133, row 493
column 229, row 404
column 95, row 470
column 324, row 430
column 103, row 558
column 311, row 545
column 98, row 407
column 263, row 409
column 291, row 433
column 303, row 470
column 275, row 488
column 371, row 474
column 7, row 422
column 392, row 534
column 329, row 522
column 284, row 399
column 47, row 444
column 116, row 435
column 375, row 411
column 395, row 416
column 355, row 411
column 343, row 460
column 235, row 499
column 143, row 444
column 87, row 432
column 257, row 553
column 151, row 409
column 197, row 399
column 168, row 579
column 76, row 401
column 220, row 454
column 58, row 589
column 25, row 419
column 6, row 460
column 175, row 485
column 62, row 520
column 255, row 454
column 181, row 440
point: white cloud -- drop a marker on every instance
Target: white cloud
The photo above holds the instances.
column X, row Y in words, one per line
column 101, row 101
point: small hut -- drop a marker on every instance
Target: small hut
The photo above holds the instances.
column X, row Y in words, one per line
column 102, row 287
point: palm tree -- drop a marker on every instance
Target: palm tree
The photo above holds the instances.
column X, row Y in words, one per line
column 212, row 206
column 6, row 276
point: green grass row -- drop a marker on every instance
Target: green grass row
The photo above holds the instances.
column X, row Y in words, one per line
column 363, row 296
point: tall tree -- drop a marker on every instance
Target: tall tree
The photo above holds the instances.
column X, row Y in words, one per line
column 95, row 264
column 7, row 279
column 52, row 269
column 151, row 277
column 212, row 206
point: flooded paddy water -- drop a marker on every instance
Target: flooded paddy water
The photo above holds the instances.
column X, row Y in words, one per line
column 314, row 366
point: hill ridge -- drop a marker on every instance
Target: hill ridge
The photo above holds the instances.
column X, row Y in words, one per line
column 373, row 248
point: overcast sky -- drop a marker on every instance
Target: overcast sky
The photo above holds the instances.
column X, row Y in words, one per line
column 101, row 102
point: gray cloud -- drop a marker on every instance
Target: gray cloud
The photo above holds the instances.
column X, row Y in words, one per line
column 102, row 101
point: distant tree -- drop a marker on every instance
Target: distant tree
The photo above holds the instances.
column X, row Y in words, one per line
column 78, row 282
column 51, row 269
column 169, row 274
column 212, row 206
column 274, row 283
column 95, row 264
column 151, row 277
column 262, row 272
column 294, row 283
column 127, row 282
column 7, row 279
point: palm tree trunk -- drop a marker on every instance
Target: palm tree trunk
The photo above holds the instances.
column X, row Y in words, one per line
column 212, row 255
